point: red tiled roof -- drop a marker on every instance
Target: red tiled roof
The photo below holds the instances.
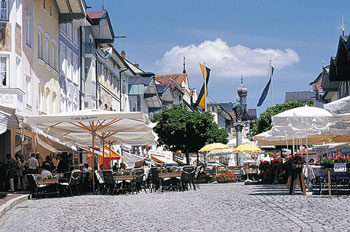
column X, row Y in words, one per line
column 172, row 78
column 96, row 15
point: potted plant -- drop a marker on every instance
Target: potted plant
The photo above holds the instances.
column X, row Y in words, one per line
column 327, row 162
column 225, row 176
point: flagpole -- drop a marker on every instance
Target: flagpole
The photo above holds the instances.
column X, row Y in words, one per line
column 271, row 85
column 205, row 88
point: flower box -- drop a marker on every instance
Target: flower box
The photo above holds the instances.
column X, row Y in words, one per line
column 327, row 166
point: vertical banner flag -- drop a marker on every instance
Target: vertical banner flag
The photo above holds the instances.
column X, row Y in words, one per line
column 266, row 89
column 201, row 98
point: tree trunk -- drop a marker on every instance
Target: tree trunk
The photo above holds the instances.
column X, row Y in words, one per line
column 197, row 158
column 187, row 157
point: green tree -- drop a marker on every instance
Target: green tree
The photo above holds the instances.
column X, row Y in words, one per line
column 264, row 122
column 180, row 129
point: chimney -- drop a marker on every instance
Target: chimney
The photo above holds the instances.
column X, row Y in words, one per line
column 123, row 54
column 103, row 7
column 137, row 65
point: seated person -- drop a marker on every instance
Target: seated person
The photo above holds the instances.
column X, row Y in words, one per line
column 45, row 173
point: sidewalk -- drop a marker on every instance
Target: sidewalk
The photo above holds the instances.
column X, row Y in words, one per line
column 11, row 200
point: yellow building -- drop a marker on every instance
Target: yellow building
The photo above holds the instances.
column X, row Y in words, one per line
column 45, row 57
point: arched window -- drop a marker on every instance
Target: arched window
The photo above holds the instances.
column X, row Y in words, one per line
column 46, row 57
column 52, row 55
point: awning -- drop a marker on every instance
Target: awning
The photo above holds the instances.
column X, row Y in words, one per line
column 8, row 119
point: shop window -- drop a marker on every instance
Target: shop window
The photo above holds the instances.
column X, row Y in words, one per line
column 52, row 55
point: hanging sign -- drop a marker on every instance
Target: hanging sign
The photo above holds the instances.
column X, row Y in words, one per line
column 339, row 167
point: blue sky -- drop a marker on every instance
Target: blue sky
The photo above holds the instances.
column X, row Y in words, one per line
column 231, row 37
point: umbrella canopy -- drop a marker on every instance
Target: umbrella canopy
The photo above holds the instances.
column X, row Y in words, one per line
column 301, row 121
column 90, row 122
column 248, row 147
column 214, row 146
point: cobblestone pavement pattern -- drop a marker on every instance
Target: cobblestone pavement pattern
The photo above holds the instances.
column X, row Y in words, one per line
column 215, row 207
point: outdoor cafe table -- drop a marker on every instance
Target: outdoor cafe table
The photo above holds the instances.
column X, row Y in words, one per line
column 124, row 177
column 169, row 175
column 46, row 181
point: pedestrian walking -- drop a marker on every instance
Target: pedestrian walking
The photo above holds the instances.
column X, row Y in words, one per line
column 19, row 172
column 11, row 171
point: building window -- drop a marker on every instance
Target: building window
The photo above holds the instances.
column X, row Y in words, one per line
column 50, row 11
column 53, row 54
column 44, row 4
column 3, row 72
column 28, row 31
column 29, row 91
column 3, row 9
column 39, row 46
column 46, row 57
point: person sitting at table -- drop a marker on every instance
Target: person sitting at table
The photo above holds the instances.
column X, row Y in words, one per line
column 45, row 173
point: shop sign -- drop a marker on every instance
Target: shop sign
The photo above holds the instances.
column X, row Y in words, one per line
column 339, row 167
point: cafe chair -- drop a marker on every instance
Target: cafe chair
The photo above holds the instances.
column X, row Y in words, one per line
column 108, row 182
column 187, row 177
column 154, row 180
column 35, row 188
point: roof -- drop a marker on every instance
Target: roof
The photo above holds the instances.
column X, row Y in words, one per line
column 227, row 106
column 172, row 78
column 299, row 96
column 137, row 80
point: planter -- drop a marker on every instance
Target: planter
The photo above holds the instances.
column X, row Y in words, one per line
column 221, row 179
column 327, row 166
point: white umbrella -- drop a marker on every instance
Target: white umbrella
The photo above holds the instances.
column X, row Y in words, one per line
column 89, row 122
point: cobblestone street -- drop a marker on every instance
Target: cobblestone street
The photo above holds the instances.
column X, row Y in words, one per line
column 215, row 207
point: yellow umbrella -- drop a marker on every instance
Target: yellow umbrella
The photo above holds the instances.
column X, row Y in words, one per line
column 247, row 148
column 214, row 146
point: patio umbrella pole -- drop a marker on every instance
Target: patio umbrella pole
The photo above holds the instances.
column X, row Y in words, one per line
column 110, row 155
column 93, row 134
column 103, row 150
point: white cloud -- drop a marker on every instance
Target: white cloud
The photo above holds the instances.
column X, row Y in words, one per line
column 226, row 61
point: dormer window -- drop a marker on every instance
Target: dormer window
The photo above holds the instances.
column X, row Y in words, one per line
column 3, row 13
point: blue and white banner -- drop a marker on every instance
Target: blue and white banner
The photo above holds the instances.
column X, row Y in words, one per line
column 266, row 89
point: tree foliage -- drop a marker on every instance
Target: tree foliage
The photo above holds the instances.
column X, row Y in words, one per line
column 264, row 122
column 180, row 129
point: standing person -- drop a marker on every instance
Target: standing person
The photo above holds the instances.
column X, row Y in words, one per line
column 48, row 161
column 11, row 171
column 62, row 166
column 33, row 164
column 19, row 172
column 37, row 156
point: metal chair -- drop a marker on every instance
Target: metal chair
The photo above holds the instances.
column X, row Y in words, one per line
column 108, row 181
column 187, row 177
